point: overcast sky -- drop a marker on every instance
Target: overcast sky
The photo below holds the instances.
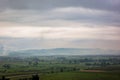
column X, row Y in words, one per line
column 60, row 23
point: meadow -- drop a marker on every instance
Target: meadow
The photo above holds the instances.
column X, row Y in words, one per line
column 61, row 67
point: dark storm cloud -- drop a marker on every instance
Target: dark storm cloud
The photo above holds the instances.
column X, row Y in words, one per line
column 112, row 5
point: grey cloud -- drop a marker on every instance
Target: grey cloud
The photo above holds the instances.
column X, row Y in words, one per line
column 48, row 18
column 112, row 5
column 41, row 11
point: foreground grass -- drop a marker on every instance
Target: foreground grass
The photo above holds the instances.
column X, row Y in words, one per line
column 70, row 76
column 82, row 76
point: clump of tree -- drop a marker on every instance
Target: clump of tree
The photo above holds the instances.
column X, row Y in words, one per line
column 34, row 77
column 6, row 66
column 3, row 78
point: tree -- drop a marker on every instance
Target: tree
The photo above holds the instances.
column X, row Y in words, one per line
column 6, row 66
column 3, row 78
column 61, row 69
column 35, row 77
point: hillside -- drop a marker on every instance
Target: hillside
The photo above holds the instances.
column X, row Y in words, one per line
column 62, row 51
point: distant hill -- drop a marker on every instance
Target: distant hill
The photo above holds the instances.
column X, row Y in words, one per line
column 63, row 51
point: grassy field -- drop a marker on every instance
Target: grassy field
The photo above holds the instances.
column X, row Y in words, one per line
column 73, row 76
column 82, row 76
column 61, row 67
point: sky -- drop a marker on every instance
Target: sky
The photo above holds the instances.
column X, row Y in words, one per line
column 38, row 24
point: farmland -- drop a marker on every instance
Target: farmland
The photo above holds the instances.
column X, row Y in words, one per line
column 61, row 67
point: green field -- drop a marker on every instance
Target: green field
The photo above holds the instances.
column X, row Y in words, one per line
column 82, row 76
column 75, row 76
column 61, row 67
